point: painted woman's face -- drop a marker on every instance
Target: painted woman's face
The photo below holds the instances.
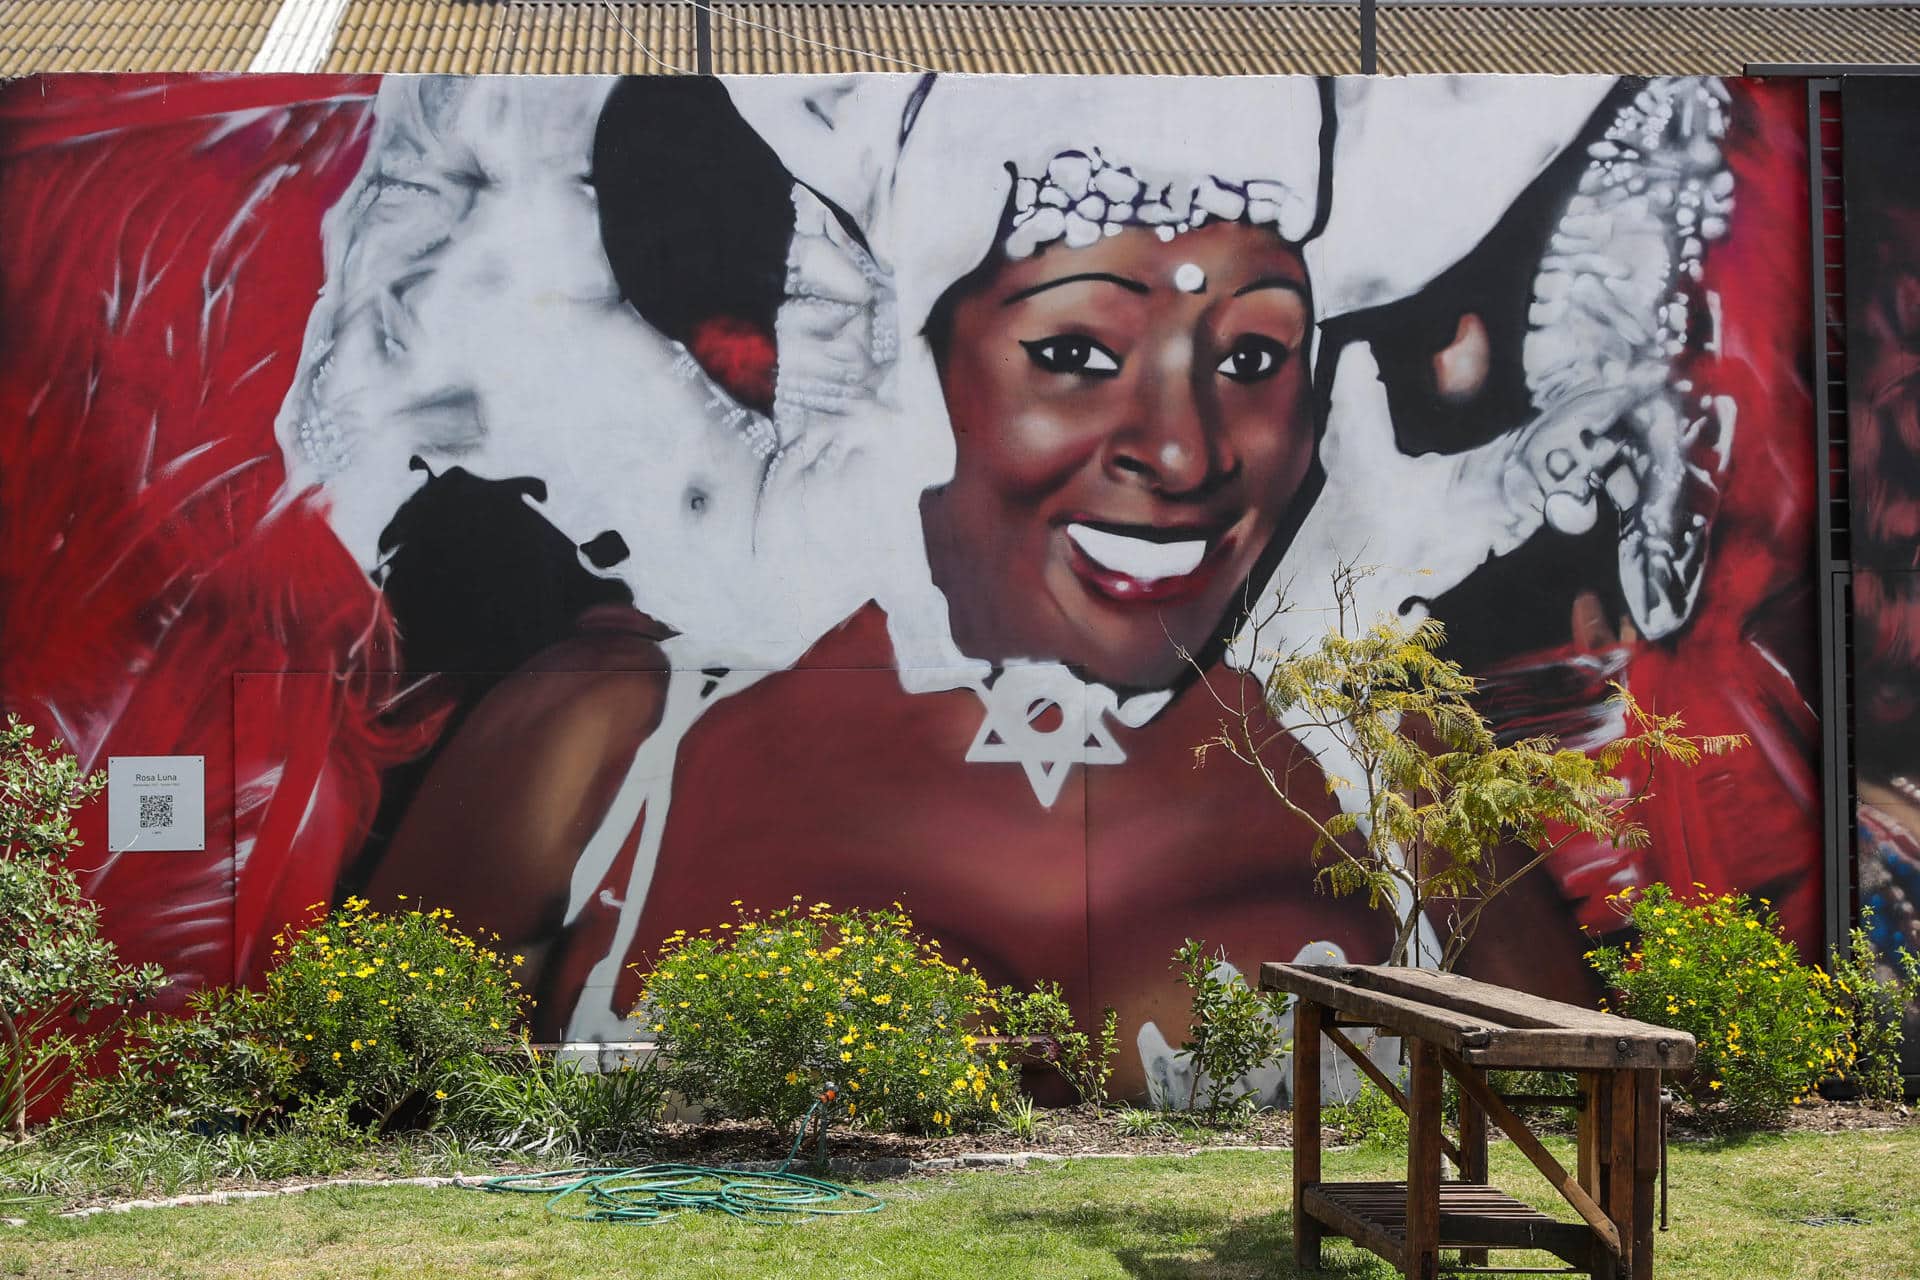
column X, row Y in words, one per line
column 1132, row 422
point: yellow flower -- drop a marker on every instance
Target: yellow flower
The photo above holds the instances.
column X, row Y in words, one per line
column 996, row 1105
column 519, row 959
column 1674, row 963
column 440, row 1095
column 356, row 1046
column 807, row 985
column 334, row 997
column 1713, row 1084
column 883, row 998
column 845, row 1056
column 336, row 1055
column 439, row 971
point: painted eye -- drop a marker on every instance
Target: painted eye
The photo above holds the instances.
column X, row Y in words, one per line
column 1072, row 353
column 1252, row 359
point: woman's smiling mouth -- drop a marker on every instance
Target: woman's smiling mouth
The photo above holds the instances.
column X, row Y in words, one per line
column 1138, row 564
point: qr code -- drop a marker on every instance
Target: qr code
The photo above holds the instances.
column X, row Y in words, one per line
column 156, row 812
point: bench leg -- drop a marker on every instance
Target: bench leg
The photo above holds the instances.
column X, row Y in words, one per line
column 1306, row 1129
column 1619, row 1161
column 1473, row 1156
column 1646, row 1168
column 1423, row 1162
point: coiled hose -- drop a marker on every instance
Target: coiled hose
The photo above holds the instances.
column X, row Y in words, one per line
column 652, row 1193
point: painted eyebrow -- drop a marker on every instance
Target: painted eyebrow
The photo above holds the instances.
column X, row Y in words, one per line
column 1103, row 277
column 1272, row 282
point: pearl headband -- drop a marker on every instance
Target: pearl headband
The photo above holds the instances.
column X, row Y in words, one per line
column 1082, row 198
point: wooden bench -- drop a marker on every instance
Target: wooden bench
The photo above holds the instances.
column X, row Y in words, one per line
column 1453, row 1025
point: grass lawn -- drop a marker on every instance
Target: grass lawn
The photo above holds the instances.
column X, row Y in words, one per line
column 1735, row 1208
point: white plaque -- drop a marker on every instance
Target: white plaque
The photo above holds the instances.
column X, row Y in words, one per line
column 156, row 802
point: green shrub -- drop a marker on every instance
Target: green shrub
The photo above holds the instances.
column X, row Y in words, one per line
column 225, row 1065
column 381, row 1008
column 325, row 1126
column 544, row 1107
column 56, row 970
column 1044, row 1012
column 1369, row 1118
column 1768, row 1027
column 1232, row 1032
column 754, row 1019
column 1875, row 1008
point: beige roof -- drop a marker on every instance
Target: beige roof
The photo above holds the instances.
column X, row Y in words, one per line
column 551, row 36
column 462, row 36
column 131, row 35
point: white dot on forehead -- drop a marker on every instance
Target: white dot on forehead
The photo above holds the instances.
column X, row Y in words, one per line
column 1189, row 278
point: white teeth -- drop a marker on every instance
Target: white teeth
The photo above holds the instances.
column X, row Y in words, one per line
column 1138, row 558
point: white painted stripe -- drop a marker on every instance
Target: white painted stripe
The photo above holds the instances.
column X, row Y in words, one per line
column 300, row 36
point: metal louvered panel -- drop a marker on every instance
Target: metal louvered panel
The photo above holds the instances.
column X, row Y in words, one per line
column 1827, row 266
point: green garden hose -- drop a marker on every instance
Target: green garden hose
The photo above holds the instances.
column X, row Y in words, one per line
column 656, row 1192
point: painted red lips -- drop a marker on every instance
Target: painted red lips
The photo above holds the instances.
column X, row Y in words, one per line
column 1145, row 564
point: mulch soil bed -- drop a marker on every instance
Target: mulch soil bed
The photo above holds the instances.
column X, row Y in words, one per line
column 1064, row 1131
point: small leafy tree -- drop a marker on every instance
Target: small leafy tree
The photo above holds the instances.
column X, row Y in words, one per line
column 55, row 968
column 1235, row 1030
column 1431, row 792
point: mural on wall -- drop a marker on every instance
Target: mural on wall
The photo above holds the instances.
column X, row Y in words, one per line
column 1883, row 402
column 585, row 503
